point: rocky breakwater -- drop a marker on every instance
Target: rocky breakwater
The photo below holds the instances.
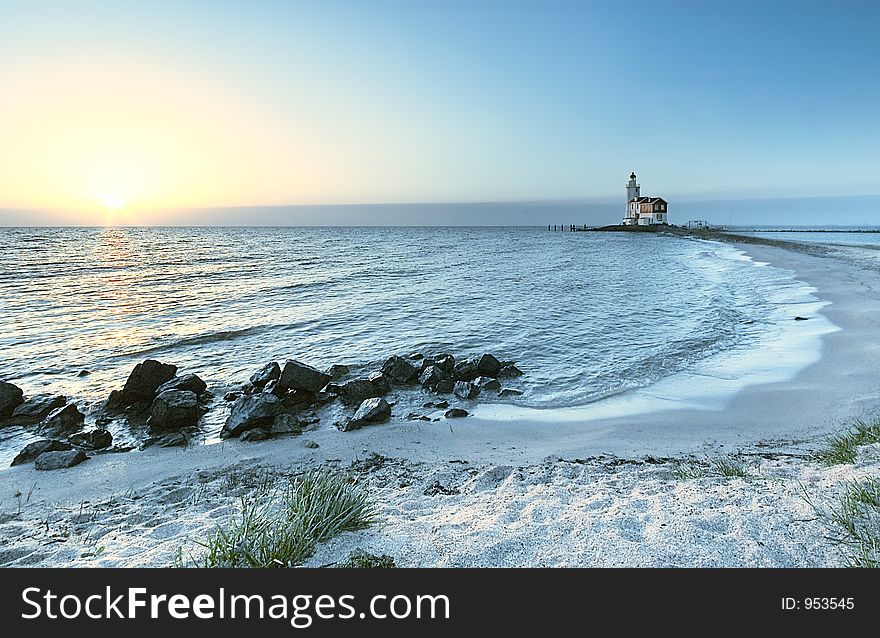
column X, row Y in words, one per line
column 153, row 395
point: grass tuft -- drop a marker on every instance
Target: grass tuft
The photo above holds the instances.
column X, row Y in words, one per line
column 360, row 559
column 282, row 529
column 842, row 448
column 723, row 466
column 730, row 467
column 854, row 522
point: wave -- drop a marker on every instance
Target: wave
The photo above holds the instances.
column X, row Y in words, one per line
column 202, row 339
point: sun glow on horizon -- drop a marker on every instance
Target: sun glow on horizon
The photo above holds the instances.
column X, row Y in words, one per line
column 111, row 201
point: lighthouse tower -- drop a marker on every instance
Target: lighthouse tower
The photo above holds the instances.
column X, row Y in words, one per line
column 633, row 189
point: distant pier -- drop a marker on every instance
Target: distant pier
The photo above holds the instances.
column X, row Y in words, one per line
column 573, row 228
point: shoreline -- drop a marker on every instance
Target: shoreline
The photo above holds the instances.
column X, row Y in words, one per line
column 777, row 420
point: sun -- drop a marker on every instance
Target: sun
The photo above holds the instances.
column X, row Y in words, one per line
column 111, row 201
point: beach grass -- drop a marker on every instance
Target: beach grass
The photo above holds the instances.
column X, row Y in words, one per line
column 853, row 522
column 361, row 559
column 283, row 529
column 842, row 448
column 720, row 467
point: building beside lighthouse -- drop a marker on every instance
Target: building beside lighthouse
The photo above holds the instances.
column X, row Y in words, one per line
column 643, row 211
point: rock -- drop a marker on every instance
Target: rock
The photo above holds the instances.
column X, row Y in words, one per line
column 59, row 460
column 11, row 397
column 83, row 373
column 357, row 390
column 465, row 370
column 322, row 398
column 174, row 409
column 445, row 386
column 174, row 439
column 306, row 420
column 413, row 416
column 298, row 399
column 312, row 445
column 37, row 408
column 380, row 382
column 438, row 405
column 509, row 392
column 799, row 318
column 231, row 396
column 416, row 356
column 446, row 363
column 142, row 384
column 97, row 439
column 269, row 372
column 253, row 435
column 488, row 366
column 399, row 370
column 487, row 384
column 455, row 413
column 431, row 376
column 248, row 412
column 63, row 421
column 375, row 410
column 466, row 390
column 299, row 376
column 286, row 424
column 33, row 450
column 337, row 371
column 190, row 382
column 273, row 388
column 509, row 371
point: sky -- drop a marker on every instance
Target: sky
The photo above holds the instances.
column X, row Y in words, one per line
column 156, row 112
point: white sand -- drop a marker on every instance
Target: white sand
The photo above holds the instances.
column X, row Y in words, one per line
column 514, row 506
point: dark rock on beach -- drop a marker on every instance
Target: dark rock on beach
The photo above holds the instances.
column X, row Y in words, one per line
column 142, row 384
column 63, row 421
column 357, row 390
column 456, row 413
column 174, row 409
column 466, row 390
column 380, row 382
column 488, row 365
column 338, row 371
column 59, row 460
column 799, row 318
column 509, row 392
column 437, row 405
column 33, row 450
column 286, row 424
column 509, row 371
column 299, row 376
column 375, row 410
column 431, row 376
column 37, row 408
column 487, row 384
column 173, row 439
column 253, row 435
column 399, row 370
column 189, row 382
column 466, row 370
column 248, row 412
column 445, row 386
column 11, row 397
column 269, row 372
column 312, row 445
column 231, row 396
column 97, row 439
column 83, row 373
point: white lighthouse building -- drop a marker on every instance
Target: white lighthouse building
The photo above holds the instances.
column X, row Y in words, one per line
column 643, row 211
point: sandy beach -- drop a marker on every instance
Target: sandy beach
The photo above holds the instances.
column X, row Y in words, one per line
column 532, row 491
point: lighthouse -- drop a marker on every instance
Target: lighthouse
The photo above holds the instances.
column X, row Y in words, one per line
column 633, row 189
column 643, row 211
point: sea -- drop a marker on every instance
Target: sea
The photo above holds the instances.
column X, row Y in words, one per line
column 601, row 323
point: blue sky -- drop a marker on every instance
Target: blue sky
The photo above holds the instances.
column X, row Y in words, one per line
column 477, row 101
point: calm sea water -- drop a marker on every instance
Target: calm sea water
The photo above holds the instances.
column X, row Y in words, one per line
column 586, row 315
